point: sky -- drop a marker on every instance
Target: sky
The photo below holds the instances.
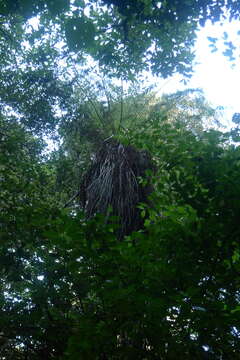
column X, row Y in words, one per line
column 214, row 73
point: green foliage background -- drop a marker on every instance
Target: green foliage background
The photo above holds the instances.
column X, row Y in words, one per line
column 69, row 289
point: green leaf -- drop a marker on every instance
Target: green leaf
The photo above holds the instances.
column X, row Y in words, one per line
column 80, row 33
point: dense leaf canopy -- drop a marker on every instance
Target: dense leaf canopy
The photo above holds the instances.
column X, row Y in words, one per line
column 109, row 30
column 170, row 289
column 155, row 275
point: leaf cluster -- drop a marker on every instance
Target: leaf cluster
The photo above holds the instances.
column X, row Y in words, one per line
column 109, row 30
column 169, row 290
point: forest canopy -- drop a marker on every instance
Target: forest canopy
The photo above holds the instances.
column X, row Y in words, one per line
column 109, row 30
column 119, row 209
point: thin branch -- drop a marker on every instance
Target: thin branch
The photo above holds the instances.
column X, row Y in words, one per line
column 96, row 111
column 121, row 104
column 94, row 107
column 71, row 199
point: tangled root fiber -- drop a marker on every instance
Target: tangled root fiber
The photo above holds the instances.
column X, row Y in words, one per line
column 112, row 182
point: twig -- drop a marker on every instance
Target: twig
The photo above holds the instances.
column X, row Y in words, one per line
column 121, row 104
column 71, row 199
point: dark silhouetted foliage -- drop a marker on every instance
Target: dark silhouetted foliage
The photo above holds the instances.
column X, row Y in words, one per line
column 112, row 186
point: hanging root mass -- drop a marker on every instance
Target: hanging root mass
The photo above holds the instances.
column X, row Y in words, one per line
column 112, row 182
